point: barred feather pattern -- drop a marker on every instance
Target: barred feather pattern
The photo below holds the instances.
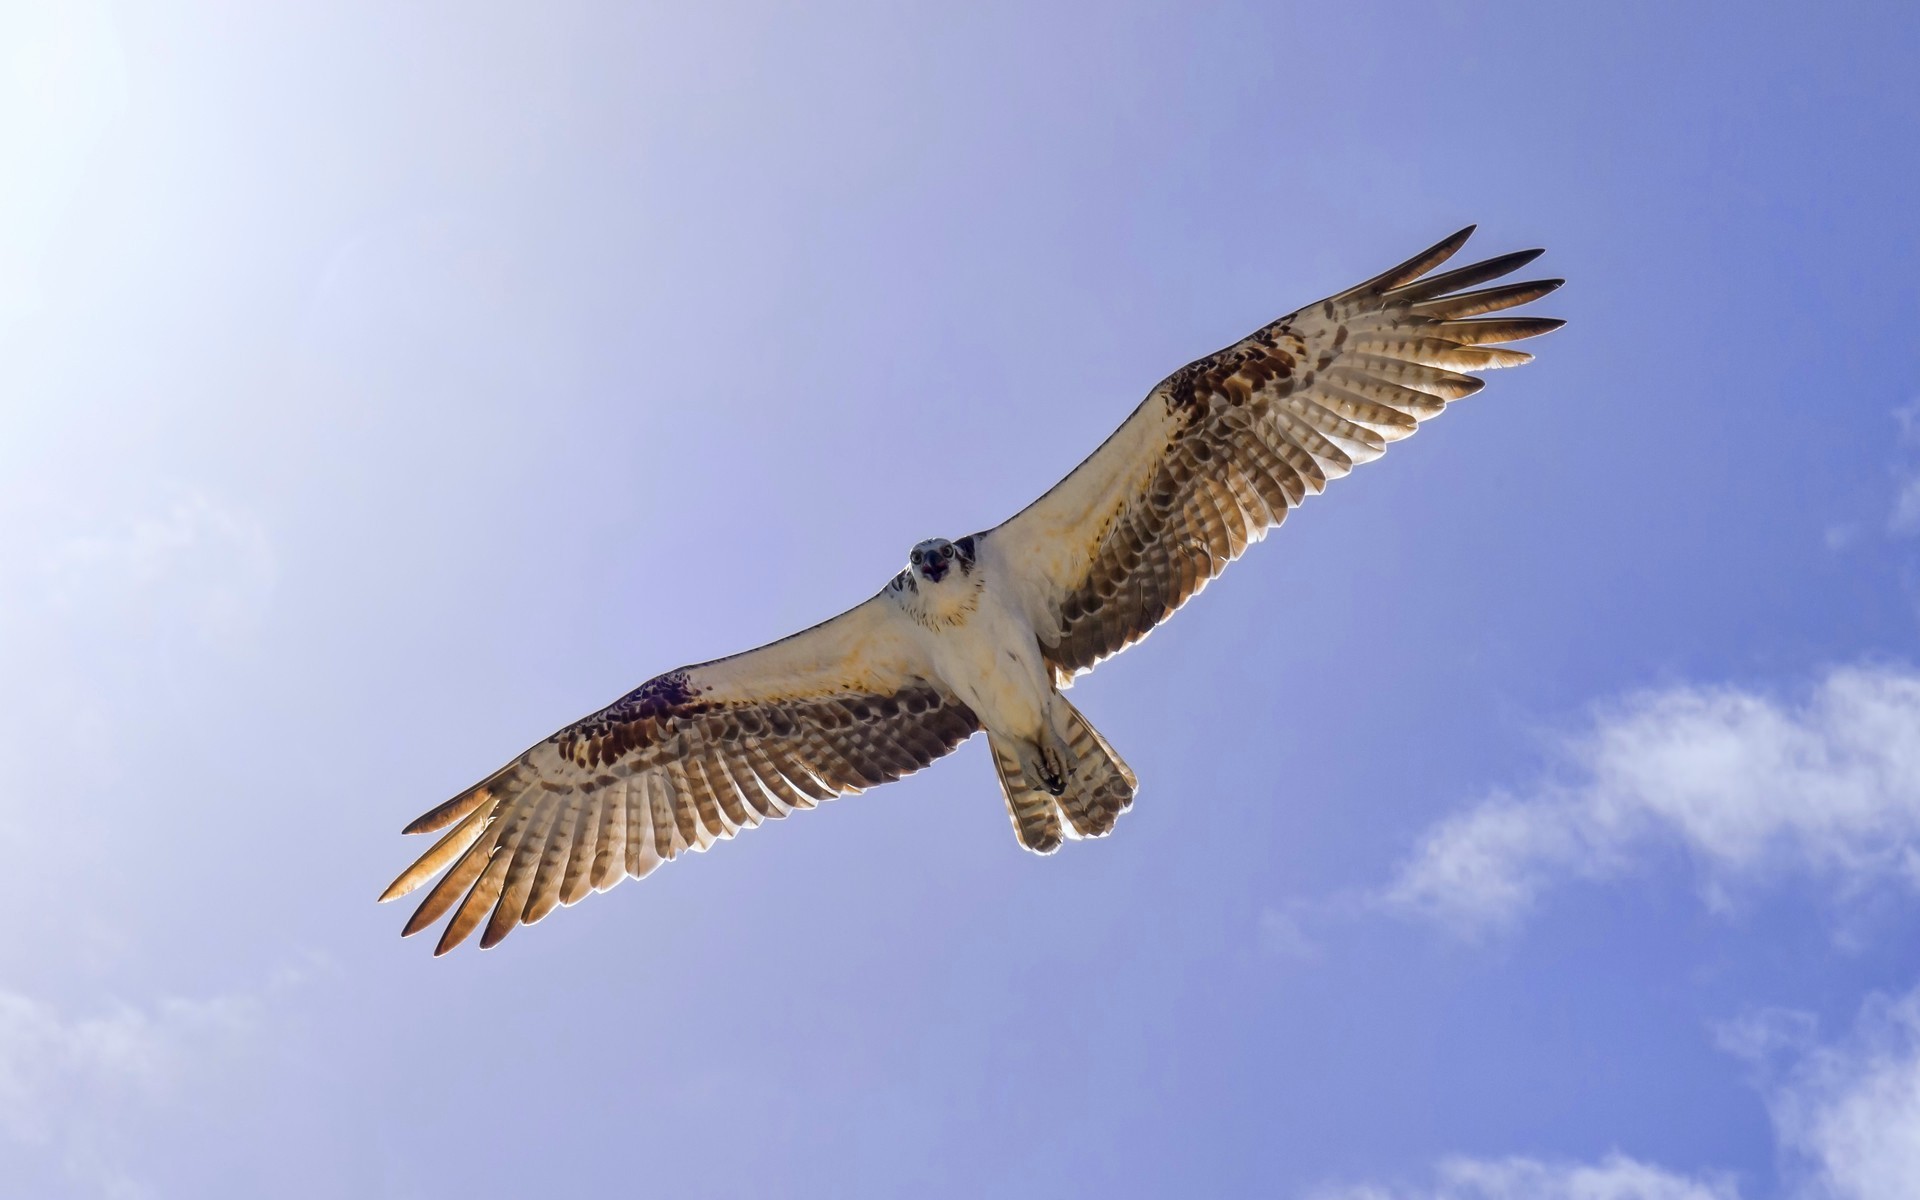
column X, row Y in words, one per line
column 654, row 776
column 1100, row 788
column 1245, row 435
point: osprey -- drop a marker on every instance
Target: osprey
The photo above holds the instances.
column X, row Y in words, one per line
column 985, row 631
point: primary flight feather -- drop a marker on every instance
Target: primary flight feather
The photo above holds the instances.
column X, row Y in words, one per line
column 982, row 632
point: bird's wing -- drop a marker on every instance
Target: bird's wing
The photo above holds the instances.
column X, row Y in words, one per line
column 1221, row 450
column 685, row 760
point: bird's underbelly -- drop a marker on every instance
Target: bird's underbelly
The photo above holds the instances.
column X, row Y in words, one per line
column 993, row 664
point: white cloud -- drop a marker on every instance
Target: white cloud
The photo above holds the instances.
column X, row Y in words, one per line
column 52, row 1066
column 1846, row 1114
column 1751, row 786
column 1614, row 1178
column 74, row 1085
column 195, row 562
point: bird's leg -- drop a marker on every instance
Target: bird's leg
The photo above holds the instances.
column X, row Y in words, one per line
column 1046, row 763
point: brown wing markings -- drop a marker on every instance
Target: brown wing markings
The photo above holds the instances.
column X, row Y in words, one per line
column 518, row 883
column 738, row 777
column 744, row 773
column 562, row 820
column 550, row 859
column 656, row 807
column 795, row 785
column 713, row 781
column 888, row 739
column 569, row 851
column 1387, row 423
column 577, row 877
column 1257, row 427
column 473, row 907
column 610, row 848
column 835, row 764
column 683, row 806
column 1334, row 462
column 1320, row 409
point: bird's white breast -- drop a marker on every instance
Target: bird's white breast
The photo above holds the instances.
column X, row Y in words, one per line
column 991, row 660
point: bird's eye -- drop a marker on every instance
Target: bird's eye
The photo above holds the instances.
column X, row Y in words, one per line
column 916, row 557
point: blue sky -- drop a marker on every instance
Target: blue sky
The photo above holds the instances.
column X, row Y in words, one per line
column 1537, row 814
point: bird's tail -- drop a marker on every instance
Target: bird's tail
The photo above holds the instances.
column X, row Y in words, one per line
column 1073, row 775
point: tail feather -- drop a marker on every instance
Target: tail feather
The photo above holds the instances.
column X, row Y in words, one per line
column 1036, row 818
column 1103, row 784
column 1100, row 786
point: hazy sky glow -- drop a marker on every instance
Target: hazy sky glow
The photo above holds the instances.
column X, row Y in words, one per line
column 1535, row 816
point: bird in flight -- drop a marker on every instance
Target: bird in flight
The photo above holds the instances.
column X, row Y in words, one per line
column 983, row 632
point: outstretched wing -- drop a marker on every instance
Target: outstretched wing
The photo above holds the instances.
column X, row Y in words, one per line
column 1224, row 447
column 686, row 760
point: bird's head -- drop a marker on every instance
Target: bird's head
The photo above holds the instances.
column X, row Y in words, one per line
column 932, row 559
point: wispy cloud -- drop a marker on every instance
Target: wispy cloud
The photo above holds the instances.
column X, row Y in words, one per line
column 1614, row 1178
column 51, row 1063
column 72, row 1082
column 1904, row 520
column 97, row 607
column 1283, row 933
column 1846, row 1114
column 204, row 564
column 1751, row 785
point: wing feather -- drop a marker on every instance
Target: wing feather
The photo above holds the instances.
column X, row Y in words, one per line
column 451, row 846
column 1411, row 402
column 656, row 808
column 453, row 810
column 509, row 909
column 1434, row 286
column 1480, row 331
column 691, row 808
column 1470, row 304
column 1221, row 450
column 610, row 848
column 477, row 903
column 578, row 880
column 550, row 861
column 456, row 882
column 686, row 761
